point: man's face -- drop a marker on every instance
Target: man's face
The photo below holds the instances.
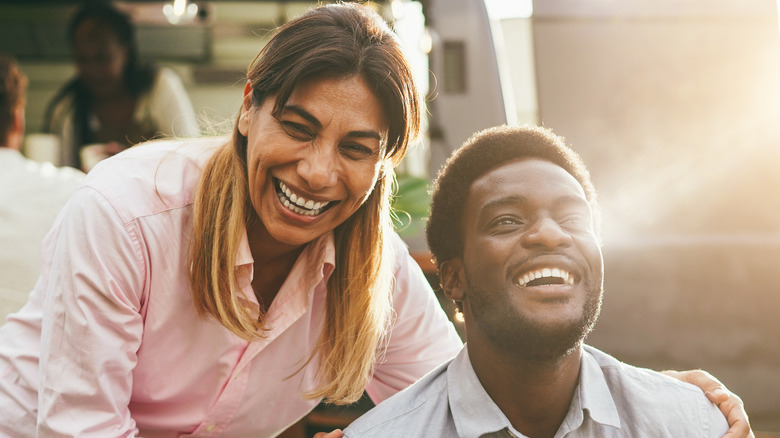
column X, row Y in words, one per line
column 532, row 270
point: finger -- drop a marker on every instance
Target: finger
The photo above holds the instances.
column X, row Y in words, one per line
column 334, row 434
column 734, row 410
column 729, row 403
column 718, row 395
column 704, row 380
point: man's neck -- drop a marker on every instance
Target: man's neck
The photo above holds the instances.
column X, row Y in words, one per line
column 535, row 396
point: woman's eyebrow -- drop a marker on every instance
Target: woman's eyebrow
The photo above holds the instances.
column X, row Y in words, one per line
column 367, row 133
column 303, row 113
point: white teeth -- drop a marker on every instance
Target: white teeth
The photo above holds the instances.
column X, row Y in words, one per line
column 528, row 277
column 306, row 207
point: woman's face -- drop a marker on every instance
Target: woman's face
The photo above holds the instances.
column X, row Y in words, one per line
column 313, row 166
column 100, row 58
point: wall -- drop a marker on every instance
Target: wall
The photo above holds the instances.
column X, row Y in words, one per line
column 675, row 107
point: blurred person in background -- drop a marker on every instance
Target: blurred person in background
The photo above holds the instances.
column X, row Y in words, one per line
column 115, row 100
column 31, row 195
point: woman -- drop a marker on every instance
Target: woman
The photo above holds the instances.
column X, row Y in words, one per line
column 225, row 287
column 115, row 100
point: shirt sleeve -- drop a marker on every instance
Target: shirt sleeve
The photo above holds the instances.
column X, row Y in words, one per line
column 421, row 338
column 171, row 106
column 92, row 321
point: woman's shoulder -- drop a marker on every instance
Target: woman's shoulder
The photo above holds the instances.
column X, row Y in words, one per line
column 153, row 176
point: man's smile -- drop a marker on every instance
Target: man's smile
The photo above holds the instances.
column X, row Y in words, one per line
column 545, row 276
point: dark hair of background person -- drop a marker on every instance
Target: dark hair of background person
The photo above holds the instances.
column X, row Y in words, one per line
column 138, row 76
column 481, row 153
column 12, row 93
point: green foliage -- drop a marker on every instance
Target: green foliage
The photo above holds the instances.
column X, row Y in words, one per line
column 411, row 204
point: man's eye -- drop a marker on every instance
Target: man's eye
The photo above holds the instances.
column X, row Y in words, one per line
column 504, row 224
column 356, row 151
column 576, row 221
column 297, row 131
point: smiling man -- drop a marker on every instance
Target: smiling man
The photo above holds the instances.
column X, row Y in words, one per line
column 514, row 229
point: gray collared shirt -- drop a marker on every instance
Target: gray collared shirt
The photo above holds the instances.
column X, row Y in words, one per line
column 612, row 399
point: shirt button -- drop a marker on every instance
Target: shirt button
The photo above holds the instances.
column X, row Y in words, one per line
column 210, row 427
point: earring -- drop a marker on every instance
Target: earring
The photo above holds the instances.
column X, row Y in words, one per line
column 458, row 314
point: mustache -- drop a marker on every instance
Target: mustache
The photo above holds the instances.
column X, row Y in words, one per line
column 518, row 265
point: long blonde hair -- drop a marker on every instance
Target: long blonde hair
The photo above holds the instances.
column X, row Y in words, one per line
column 328, row 41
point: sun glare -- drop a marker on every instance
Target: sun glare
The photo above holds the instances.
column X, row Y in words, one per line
column 503, row 9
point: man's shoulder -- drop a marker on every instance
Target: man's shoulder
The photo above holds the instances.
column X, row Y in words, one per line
column 634, row 377
column 421, row 406
column 649, row 400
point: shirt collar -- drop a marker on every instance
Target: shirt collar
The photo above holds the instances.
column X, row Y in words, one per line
column 317, row 261
column 468, row 401
column 592, row 395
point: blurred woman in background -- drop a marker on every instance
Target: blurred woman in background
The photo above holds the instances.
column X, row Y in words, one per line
column 115, row 100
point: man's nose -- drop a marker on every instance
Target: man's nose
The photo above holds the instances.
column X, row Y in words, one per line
column 546, row 232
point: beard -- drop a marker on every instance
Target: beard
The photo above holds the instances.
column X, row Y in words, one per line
column 517, row 334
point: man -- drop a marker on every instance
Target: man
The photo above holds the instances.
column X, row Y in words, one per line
column 31, row 195
column 513, row 228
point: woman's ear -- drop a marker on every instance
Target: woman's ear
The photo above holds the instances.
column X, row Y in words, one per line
column 246, row 107
column 453, row 279
column 247, row 89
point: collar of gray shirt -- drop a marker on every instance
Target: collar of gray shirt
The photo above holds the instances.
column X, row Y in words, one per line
column 476, row 415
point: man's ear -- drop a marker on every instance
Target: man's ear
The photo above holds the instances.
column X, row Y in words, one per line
column 246, row 106
column 453, row 279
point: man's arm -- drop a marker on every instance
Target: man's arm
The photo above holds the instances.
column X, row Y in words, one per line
column 728, row 402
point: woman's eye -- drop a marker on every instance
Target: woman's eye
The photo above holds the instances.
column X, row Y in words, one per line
column 297, row 131
column 356, row 151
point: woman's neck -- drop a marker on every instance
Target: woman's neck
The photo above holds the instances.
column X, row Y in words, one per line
column 273, row 262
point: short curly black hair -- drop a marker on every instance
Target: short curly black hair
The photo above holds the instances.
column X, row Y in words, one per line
column 481, row 153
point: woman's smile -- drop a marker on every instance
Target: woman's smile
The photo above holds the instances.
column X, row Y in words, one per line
column 300, row 204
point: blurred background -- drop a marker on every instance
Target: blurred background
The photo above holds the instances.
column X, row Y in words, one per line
column 673, row 104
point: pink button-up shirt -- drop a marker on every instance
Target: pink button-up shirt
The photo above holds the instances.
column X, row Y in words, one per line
column 110, row 343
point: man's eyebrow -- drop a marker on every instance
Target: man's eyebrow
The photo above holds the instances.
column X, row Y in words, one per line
column 519, row 199
column 367, row 133
column 500, row 202
column 503, row 201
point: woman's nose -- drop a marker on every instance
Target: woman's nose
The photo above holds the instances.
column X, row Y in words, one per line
column 319, row 168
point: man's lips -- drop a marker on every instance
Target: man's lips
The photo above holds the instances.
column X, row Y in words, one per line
column 544, row 276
